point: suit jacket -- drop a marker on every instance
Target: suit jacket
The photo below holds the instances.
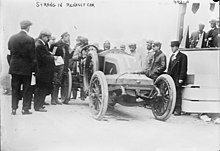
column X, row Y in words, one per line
column 45, row 63
column 177, row 68
column 214, row 39
column 22, row 52
column 194, row 39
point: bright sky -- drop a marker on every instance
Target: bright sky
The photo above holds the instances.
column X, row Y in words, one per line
column 119, row 21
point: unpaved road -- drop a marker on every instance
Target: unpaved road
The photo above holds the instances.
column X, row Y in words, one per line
column 71, row 128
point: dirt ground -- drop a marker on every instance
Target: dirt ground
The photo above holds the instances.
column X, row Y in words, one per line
column 71, row 128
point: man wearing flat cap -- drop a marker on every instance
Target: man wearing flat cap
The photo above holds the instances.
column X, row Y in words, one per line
column 177, row 69
column 22, row 61
column 156, row 64
column 212, row 35
column 45, row 69
column 62, row 49
column 195, row 37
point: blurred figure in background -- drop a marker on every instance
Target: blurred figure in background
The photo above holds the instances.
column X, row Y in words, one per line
column 147, row 55
column 133, row 52
column 212, row 35
column 106, row 45
column 195, row 36
column 123, row 47
column 149, row 47
column 218, row 25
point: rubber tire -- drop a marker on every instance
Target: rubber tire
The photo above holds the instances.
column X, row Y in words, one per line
column 94, row 56
column 172, row 94
column 104, row 101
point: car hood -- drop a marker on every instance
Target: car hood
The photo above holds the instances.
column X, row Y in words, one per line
column 129, row 79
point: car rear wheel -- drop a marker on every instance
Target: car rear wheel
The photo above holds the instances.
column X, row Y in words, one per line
column 164, row 103
column 98, row 95
column 91, row 65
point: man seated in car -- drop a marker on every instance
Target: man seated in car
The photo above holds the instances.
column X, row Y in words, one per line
column 156, row 64
column 80, row 42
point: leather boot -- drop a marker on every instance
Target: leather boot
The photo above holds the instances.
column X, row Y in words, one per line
column 54, row 96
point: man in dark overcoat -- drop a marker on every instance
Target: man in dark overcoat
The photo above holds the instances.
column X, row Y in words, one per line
column 21, row 62
column 212, row 35
column 177, row 69
column 60, row 48
column 45, row 68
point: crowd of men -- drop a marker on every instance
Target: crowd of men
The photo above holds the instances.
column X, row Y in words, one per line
column 209, row 39
column 50, row 60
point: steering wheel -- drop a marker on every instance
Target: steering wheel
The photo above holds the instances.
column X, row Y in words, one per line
column 86, row 48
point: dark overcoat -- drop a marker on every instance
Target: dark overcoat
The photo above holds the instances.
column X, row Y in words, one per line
column 22, row 59
column 213, row 34
column 45, row 63
column 177, row 68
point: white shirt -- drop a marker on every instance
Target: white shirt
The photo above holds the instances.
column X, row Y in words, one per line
column 42, row 41
column 24, row 31
column 174, row 55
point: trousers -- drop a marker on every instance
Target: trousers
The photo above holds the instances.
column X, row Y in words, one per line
column 16, row 82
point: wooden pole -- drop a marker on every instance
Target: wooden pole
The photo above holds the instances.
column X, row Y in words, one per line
column 182, row 12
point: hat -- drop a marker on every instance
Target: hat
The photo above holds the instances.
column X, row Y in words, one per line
column 201, row 25
column 45, row 32
column 25, row 23
column 65, row 34
column 122, row 46
column 82, row 39
column 157, row 43
column 175, row 43
column 106, row 42
column 150, row 41
column 212, row 21
column 132, row 45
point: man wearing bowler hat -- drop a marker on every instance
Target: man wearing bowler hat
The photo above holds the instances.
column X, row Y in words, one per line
column 45, row 70
column 177, row 69
column 212, row 35
column 21, row 47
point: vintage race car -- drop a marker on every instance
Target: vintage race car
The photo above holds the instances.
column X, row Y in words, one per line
column 107, row 78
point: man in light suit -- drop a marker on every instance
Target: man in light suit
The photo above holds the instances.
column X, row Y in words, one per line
column 21, row 62
column 177, row 69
